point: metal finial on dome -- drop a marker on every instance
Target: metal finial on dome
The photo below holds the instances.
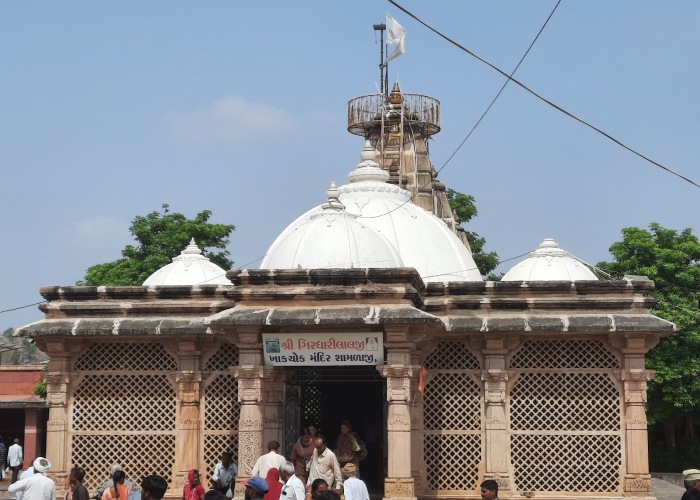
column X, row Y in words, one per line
column 395, row 97
column 192, row 248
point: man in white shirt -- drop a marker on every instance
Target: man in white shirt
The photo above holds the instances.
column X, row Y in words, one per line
column 14, row 459
column 37, row 486
column 24, row 475
column 324, row 465
column 293, row 488
column 353, row 488
column 225, row 474
column 272, row 460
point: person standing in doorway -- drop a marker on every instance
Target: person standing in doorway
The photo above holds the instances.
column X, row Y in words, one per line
column 14, row 459
column 324, row 465
column 349, row 448
column 3, row 455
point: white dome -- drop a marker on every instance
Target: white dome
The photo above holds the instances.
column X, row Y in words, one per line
column 330, row 238
column 189, row 268
column 549, row 263
column 420, row 239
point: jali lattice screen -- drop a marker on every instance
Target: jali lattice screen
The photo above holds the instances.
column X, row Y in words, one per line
column 452, row 436
column 123, row 412
column 220, row 408
column 565, row 417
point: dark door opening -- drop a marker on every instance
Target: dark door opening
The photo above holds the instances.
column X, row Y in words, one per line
column 331, row 395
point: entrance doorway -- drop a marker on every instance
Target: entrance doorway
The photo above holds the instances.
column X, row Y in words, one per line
column 327, row 396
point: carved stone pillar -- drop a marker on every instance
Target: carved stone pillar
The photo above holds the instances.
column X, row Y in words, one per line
column 58, row 396
column 495, row 377
column 273, row 406
column 418, row 471
column 398, row 373
column 635, row 377
column 250, row 374
column 187, row 442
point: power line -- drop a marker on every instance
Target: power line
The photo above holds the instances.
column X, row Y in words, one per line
column 479, row 120
column 547, row 101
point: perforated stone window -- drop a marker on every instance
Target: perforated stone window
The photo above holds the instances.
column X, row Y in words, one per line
column 123, row 411
column 564, row 354
column 565, row 413
column 126, row 357
column 452, row 436
column 139, row 454
column 220, row 408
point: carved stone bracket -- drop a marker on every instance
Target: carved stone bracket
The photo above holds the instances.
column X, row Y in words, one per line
column 57, row 388
column 635, row 384
column 495, row 386
column 188, row 387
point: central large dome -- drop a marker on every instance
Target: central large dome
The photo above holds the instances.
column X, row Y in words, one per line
column 420, row 239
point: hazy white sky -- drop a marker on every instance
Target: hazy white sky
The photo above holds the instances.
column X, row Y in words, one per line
column 108, row 110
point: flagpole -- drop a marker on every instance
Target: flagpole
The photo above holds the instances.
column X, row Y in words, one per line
column 381, row 28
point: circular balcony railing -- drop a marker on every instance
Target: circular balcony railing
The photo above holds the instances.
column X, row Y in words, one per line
column 420, row 111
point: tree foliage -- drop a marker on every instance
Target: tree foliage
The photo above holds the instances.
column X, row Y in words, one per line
column 672, row 260
column 160, row 237
column 464, row 210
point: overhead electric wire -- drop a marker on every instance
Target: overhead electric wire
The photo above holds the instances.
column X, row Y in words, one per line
column 529, row 90
column 480, row 119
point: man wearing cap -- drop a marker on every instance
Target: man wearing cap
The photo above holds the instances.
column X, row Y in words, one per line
column 353, row 488
column 255, row 487
column 38, row 486
column 691, row 477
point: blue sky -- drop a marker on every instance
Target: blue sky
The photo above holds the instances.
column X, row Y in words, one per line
column 108, row 110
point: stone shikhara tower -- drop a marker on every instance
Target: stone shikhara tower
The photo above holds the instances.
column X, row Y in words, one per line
column 537, row 381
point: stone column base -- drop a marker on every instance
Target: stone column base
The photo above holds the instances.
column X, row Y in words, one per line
column 399, row 489
column 638, row 485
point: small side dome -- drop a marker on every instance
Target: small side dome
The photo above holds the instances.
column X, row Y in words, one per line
column 188, row 268
column 330, row 239
column 549, row 263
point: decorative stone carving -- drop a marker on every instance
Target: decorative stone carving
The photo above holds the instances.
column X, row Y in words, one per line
column 399, row 488
column 188, row 387
column 249, row 446
column 635, row 383
column 638, row 484
column 57, row 388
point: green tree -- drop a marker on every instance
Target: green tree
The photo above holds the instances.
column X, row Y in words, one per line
column 672, row 259
column 160, row 237
column 464, row 210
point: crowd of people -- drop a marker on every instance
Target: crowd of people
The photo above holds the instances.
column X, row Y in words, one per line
column 313, row 472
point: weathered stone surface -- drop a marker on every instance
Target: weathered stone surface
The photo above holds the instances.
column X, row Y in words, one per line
column 590, row 324
column 465, row 287
column 545, row 324
column 465, row 324
column 505, row 324
column 642, row 324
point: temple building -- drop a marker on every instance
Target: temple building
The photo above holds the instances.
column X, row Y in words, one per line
column 368, row 308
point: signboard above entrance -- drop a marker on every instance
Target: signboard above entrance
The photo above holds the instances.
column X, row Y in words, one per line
column 323, row 349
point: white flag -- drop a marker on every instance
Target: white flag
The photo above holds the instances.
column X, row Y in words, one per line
column 395, row 35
